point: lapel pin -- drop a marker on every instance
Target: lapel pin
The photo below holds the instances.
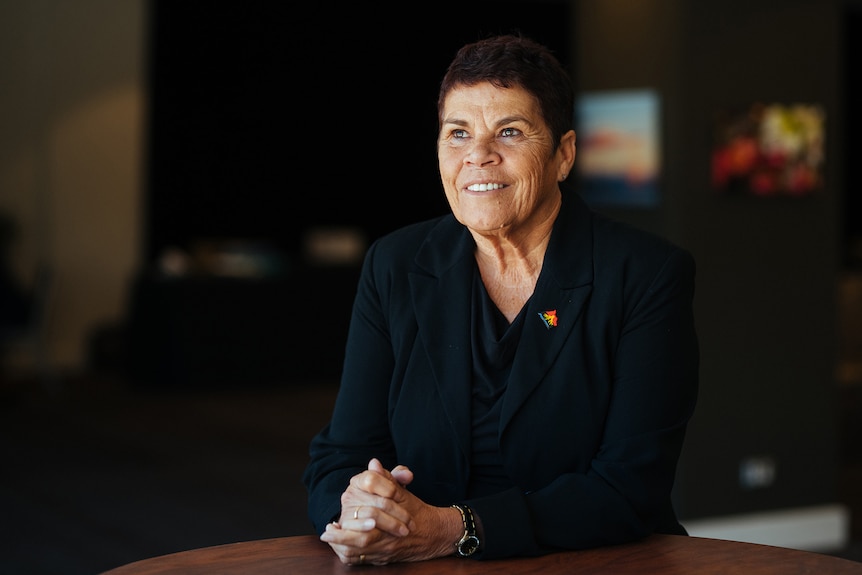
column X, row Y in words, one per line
column 549, row 318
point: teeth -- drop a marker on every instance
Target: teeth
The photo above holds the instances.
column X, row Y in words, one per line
column 483, row 187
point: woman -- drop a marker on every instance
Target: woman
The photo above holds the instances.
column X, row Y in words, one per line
column 519, row 373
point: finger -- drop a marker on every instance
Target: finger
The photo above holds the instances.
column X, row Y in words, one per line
column 402, row 474
column 392, row 519
column 330, row 529
column 350, row 532
column 376, row 466
column 373, row 483
column 391, row 524
column 352, row 557
column 361, row 524
column 342, row 552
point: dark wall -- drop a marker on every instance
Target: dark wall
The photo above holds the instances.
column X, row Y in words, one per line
column 852, row 145
column 267, row 119
column 767, row 268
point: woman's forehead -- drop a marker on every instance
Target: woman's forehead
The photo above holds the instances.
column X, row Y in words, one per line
column 488, row 97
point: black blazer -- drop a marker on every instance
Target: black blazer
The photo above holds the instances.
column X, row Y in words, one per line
column 596, row 408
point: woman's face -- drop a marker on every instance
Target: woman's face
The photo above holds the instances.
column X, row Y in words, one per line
column 496, row 161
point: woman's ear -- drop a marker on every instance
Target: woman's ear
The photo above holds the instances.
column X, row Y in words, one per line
column 567, row 151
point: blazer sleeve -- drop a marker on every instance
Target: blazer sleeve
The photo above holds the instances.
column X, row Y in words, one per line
column 359, row 427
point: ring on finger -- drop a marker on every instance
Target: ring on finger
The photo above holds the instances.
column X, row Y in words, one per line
column 356, row 514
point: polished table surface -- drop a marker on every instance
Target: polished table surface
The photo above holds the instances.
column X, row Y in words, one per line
column 660, row 554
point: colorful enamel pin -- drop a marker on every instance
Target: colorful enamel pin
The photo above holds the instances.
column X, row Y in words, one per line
column 549, row 318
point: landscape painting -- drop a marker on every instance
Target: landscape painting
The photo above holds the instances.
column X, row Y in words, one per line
column 619, row 148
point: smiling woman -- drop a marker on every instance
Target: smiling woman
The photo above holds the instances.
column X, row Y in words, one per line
column 520, row 314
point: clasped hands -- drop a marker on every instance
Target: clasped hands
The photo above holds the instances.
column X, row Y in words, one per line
column 383, row 522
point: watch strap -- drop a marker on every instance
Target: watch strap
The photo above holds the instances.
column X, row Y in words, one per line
column 469, row 541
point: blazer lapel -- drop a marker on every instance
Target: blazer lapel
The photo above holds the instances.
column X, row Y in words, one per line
column 441, row 291
column 561, row 294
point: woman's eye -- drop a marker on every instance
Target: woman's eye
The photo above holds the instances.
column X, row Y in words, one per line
column 459, row 133
column 509, row 132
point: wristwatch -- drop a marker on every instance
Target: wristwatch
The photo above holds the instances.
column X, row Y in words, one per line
column 469, row 542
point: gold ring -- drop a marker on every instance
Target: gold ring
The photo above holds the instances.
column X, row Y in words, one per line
column 361, row 559
column 356, row 512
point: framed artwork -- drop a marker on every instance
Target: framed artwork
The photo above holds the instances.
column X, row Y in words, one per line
column 619, row 148
column 769, row 150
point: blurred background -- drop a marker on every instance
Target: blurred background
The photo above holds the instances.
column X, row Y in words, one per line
column 187, row 189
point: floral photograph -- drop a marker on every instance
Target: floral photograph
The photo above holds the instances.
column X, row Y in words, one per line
column 770, row 150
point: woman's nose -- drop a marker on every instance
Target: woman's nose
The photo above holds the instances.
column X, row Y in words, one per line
column 482, row 153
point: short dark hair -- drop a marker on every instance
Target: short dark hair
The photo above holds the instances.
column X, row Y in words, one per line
column 514, row 60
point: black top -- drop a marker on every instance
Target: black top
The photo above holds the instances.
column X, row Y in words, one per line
column 494, row 341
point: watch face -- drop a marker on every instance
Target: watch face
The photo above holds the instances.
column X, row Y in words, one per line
column 468, row 545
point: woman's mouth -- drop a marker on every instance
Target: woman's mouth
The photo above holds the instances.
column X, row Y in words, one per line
column 484, row 187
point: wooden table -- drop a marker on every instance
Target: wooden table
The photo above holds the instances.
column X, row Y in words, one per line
column 659, row 554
